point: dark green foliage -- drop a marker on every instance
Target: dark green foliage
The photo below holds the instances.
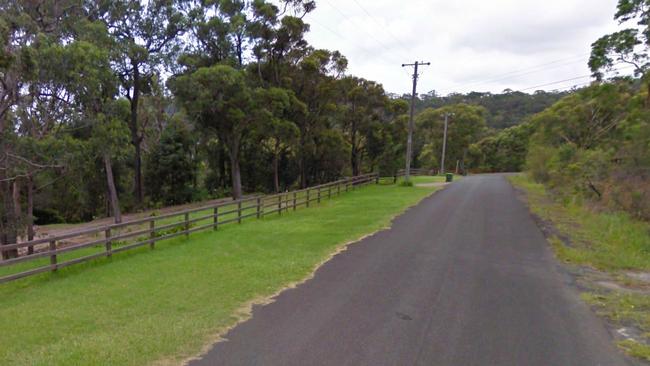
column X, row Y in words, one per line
column 501, row 151
column 47, row 216
column 466, row 125
column 504, row 110
column 171, row 166
column 594, row 145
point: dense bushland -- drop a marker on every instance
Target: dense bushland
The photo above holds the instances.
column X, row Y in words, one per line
column 595, row 144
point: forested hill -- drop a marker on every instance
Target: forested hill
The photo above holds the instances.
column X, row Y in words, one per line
column 505, row 109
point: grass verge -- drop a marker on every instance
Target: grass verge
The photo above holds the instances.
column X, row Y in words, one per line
column 612, row 245
column 167, row 304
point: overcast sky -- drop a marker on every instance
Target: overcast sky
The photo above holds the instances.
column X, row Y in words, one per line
column 473, row 45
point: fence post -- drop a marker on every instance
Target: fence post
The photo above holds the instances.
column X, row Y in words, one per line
column 285, row 201
column 377, row 178
column 307, row 197
column 152, row 233
column 239, row 212
column 318, row 195
column 53, row 255
column 187, row 225
column 294, row 200
column 215, row 218
column 109, row 243
column 329, row 192
column 259, row 207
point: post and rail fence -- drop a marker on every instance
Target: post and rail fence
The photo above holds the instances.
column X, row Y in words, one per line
column 414, row 172
column 116, row 238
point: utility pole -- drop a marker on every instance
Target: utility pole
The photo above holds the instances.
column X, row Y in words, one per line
column 409, row 141
column 444, row 144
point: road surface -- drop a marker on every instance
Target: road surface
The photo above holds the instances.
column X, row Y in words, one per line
column 464, row 278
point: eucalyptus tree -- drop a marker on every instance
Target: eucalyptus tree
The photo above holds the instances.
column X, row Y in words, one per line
column 313, row 80
column 279, row 135
column 221, row 102
column 363, row 106
column 26, row 28
column 629, row 46
column 173, row 165
column 147, row 38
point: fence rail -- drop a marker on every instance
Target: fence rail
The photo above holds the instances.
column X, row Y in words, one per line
column 414, row 172
column 133, row 234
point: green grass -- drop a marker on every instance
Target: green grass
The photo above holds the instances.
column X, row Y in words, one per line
column 610, row 242
column 625, row 310
column 606, row 241
column 423, row 179
column 164, row 305
column 226, row 214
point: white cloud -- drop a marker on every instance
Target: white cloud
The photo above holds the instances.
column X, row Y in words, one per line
column 470, row 43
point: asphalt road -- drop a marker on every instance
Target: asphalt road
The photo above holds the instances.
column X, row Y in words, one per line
column 464, row 278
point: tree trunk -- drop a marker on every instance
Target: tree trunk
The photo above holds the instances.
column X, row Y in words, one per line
column 30, row 212
column 236, row 176
column 9, row 222
column 115, row 203
column 137, row 164
column 223, row 168
column 136, row 140
column 301, row 161
column 276, row 173
column 354, row 154
column 15, row 193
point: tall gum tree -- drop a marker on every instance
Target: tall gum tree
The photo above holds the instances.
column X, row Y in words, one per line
column 147, row 36
column 219, row 99
column 629, row 46
column 24, row 27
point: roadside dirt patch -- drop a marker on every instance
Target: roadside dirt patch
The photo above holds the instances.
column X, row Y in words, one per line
column 611, row 285
column 639, row 276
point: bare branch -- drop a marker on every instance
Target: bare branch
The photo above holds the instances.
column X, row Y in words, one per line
column 33, row 164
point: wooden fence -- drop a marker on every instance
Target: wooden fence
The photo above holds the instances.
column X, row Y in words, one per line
column 414, row 172
column 116, row 238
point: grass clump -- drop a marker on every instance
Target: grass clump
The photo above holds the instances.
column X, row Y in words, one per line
column 144, row 306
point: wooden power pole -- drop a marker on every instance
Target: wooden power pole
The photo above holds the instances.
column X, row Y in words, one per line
column 409, row 141
column 444, row 144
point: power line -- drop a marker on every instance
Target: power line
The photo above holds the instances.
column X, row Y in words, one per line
column 571, row 79
column 556, row 82
column 525, row 71
column 362, row 48
column 572, row 86
column 370, row 34
column 386, row 29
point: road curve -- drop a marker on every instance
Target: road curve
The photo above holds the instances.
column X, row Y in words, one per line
column 464, row 278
